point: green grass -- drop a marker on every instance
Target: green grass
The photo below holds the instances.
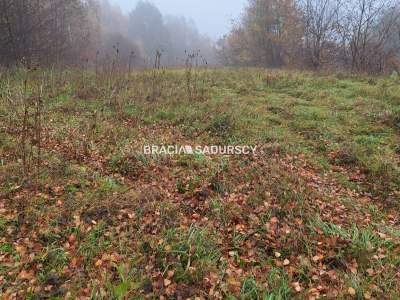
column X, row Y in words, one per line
column 192, row 254
column 316, row 207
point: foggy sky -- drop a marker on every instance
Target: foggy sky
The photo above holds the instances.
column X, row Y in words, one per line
column 212, row 17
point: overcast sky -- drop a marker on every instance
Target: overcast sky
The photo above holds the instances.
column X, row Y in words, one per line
column 212, row 17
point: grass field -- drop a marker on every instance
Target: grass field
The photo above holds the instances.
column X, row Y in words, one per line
column 85, row 214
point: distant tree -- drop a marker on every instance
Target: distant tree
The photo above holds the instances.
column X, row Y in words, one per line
column 146, row 26
column 42, row 31
column 113, row 37
column 371, row 25
column 358, row 35
column 49, row 32
column 223, row 54
column 392, row 47
column 320, row 19
column 269, row 34
column 184, row 36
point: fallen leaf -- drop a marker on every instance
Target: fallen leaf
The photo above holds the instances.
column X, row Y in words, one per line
column 296, row 286
column 25, row 275
column 167, row 282
column 367, row 295
column 352, row 291
column 317, row 258
column 370, row 272
column 170, row 273
column 98, row 263
column 274, row 220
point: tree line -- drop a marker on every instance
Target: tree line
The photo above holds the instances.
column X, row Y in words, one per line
column 354, row 35
column 42, row 31
column 94, row 32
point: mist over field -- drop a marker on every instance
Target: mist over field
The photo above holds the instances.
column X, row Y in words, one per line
column 158, row 150
column 213, row 18
column 339, row 35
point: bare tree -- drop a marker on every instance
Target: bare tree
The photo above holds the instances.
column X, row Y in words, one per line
column 320, row 20
column 42, row 31
column 371, row 25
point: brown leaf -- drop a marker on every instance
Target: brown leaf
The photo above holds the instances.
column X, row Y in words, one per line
column 317, row 258
column 25, row 275
column 274, row 220
column 367, row 295
column 98, row 263
column 72, row 238
column 167, row 282
column 351, row 291
column 170, row 274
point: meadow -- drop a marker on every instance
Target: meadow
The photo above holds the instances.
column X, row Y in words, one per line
column 85, row 214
